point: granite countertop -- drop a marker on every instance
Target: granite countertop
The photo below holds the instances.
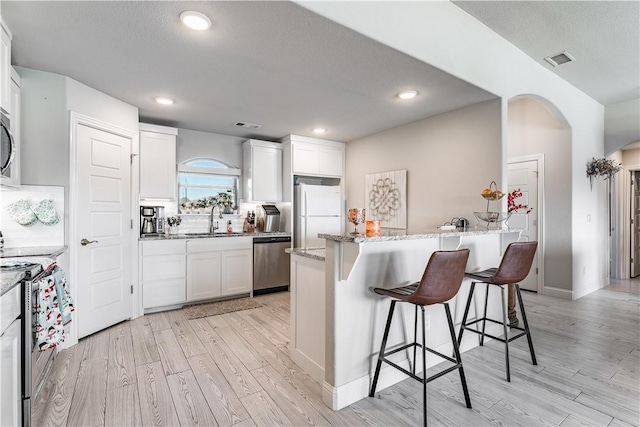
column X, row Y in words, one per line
column 33, row 251
column 390, row 235
column 9, row 280
column 212, row 235
column 313, row 253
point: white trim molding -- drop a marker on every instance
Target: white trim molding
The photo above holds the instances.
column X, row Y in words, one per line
column 542, row 289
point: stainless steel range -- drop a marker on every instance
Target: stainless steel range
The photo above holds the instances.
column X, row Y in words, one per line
column 30, row 383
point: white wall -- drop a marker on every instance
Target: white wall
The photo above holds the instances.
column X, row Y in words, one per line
column 622, row 125
column 46, row 99
column 193, row 144
column 443, row 35
column 534, row 130
column 631, row 157
column 449, row 158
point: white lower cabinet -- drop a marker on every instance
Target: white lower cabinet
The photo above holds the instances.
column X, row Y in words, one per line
column 163, row 273
column 204, row 276
column 307, row 328
column 178, row 271
column 237, row 271
column 219, row 267
column 11, row 402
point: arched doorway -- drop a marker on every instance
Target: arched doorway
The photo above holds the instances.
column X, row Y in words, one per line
column 539, row 156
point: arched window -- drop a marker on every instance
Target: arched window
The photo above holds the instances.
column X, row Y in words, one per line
column 200, row 180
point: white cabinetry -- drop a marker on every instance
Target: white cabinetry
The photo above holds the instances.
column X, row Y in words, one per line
column 219, row 267
column 315, row 157
column 158, row 176
column 12, row 176
column 10, row 358
column 5, row 68
column 262, row 171
column 307, row 329
column 163, row 273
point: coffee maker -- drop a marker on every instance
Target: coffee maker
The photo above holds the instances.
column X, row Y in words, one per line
column 152, row 220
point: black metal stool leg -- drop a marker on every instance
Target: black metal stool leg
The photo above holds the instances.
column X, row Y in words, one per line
column 382, row 348
column 456, row 350
column 484, row 316
column 466, row 312
column 415, row 340
column 526, row 325
column 424, row 370
column 505, row 332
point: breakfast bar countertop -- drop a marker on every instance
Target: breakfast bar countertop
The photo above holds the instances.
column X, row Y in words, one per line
column 387, row 235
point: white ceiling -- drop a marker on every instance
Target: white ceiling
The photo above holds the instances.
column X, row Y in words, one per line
column 271, row 63
column 280, row 65
column 603, row 36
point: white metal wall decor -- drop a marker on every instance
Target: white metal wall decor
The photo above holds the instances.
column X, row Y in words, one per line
column 386, row 198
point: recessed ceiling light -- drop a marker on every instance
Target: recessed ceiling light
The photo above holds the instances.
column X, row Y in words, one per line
column 164, row 100
column 319, row 130
column 407, row 94
column 195, row 20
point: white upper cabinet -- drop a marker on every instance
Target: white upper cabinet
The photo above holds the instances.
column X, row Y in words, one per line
column 315, row 157
column 5, row 68
column 158, row 174
column 262, row 171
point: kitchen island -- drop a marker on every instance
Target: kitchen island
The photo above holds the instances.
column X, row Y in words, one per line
column 351, row 331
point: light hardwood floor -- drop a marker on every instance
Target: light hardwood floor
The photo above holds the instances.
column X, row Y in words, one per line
column 234, row 369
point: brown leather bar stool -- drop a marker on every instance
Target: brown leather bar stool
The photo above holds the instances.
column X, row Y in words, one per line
column 440, row 282
column 514, row 267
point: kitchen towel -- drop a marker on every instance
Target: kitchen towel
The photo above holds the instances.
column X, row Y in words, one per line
column 52, row 308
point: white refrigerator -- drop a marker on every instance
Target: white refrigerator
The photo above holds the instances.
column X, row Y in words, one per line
column 318, row 209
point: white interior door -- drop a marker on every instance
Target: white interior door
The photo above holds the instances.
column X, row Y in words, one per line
column 635, row 224
column 103, row 219
column 524, row 176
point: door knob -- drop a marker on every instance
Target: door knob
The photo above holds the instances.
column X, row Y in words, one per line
column 85, row 242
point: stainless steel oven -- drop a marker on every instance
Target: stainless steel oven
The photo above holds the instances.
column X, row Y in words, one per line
column 33, row 368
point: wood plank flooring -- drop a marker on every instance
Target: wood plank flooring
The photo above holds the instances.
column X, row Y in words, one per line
column 234, row 369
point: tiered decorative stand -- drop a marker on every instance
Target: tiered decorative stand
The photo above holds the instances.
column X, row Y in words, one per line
column 493, row 217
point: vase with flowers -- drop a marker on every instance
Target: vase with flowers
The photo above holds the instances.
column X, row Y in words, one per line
column 173, row 222
column 602, row 168
column 512, row 206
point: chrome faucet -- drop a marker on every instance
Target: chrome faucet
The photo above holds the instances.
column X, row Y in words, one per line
column 213, row 225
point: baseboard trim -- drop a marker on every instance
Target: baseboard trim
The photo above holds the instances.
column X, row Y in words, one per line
column 557, row 292
column 342, row 396
column 312, row 368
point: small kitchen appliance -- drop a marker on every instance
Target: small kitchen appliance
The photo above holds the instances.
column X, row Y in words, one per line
column 269, row 220
column 152, row 220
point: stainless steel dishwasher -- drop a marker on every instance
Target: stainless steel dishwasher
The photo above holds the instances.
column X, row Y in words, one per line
column 271, row 267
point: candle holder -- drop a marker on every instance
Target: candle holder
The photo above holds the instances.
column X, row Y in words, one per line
column 356, row 216
column 372, row 227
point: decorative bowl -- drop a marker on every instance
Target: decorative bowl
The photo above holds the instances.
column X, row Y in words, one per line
column 491, row 217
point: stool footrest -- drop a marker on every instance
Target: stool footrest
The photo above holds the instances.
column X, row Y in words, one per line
column 415, row 344
column 509, row 339
column 415, row 377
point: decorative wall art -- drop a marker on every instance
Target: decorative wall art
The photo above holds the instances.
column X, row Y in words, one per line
column 386, row 198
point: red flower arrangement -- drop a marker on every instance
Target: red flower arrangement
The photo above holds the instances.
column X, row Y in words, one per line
column 511, row 202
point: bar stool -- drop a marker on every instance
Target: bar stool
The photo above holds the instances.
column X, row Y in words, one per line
column 440, row 282
column 514, row 267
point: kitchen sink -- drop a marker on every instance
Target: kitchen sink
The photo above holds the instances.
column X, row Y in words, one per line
column 236, row 233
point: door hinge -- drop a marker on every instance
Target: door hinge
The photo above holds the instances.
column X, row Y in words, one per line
column 536, row 270
column 131, row 157
column 536, row 172
column 132, row 289
column 131, row 224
